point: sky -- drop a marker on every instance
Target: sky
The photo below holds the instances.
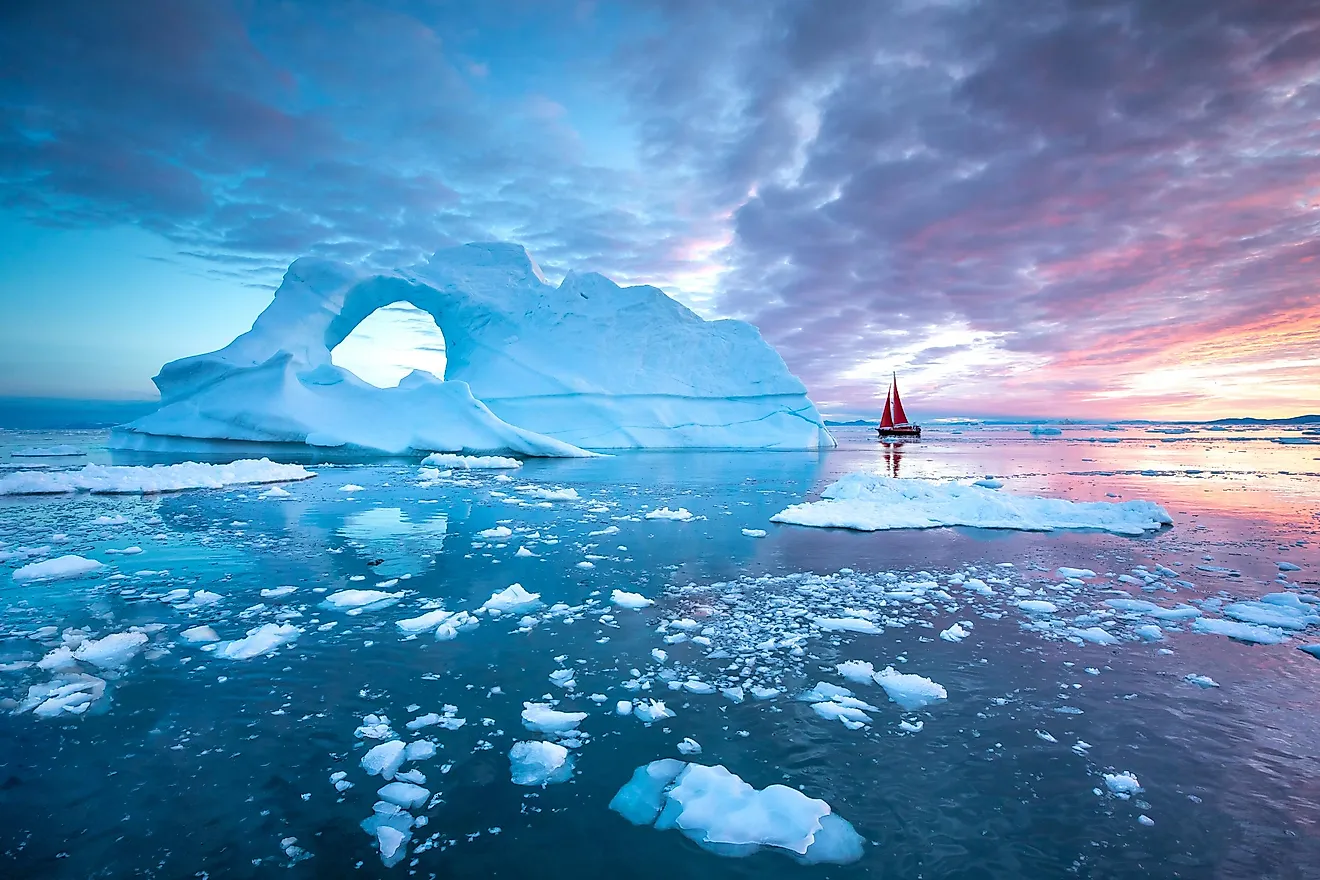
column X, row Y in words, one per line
column 1048, row 208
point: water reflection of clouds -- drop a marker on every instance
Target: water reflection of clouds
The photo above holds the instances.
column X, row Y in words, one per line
column 387, row 533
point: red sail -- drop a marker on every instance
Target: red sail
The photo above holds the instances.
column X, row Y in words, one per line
column 887, row 420
column 900, row 417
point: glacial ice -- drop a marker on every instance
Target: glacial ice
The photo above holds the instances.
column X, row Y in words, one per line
column 542, row 718
column 720, row 812
column 130, row 480
column 532, row 369
column 868, row 503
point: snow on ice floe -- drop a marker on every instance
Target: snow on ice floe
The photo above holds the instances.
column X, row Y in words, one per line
column 654, row 374
column 71, row 693
column 471, row 462
column 125, row 480
column 539, row 763
column 866, row 502
column 59, row 568
column 725, row 815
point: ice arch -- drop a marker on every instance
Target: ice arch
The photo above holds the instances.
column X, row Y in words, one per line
column 532, row 368
column 389, row 344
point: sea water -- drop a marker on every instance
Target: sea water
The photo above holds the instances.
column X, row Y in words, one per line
column 195, row 765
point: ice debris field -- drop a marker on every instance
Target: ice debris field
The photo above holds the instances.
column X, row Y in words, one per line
column 423, row 655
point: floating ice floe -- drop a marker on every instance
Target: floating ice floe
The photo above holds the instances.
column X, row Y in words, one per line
column 356, row 601
column 117, row 479
column 680, row 515
column 1243, row 632
column 543, row 718
column 866, row 502
column 910, row 691
column 112, row 651
column 1203, row 681
column 725, row 815
column 539, row 763
column 59, row 568
column 634, row 601
column 68, row 694
column 650, row 711
column 511, row 599
column 63, row 450
column 1122, row 784
column 259, row 641
column 471, row 462
column 754, row 533
column 518, row 378
column 496, row 532
column 956, row 633
column 199, row 635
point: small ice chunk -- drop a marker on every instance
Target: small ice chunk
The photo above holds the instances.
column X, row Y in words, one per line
column 360, row 600
column 754, row 533
column 1037, row 606
column 112, row 651
column 385, row 759
column 539, row 763
column 1124, row 784
column 497, row 532
column 1204, row 681
column 682, row 514
column 955, row 633
column 511, row 599
column 403, row 794
column 651, row 710
column 634, row 601
column 910, row 691
column 199, row 634
column 689, row 746
column 264, row 639
column 541, row 718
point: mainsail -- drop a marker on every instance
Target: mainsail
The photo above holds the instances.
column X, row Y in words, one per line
column 900, row 417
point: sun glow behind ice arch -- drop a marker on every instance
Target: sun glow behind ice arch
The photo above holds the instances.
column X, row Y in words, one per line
column 390, row 343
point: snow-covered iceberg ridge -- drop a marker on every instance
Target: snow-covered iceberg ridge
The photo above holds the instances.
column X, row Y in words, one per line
column 532, row 369
column 869, row 503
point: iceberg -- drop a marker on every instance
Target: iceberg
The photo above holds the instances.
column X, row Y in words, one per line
column 869, row 503
column 532, row 369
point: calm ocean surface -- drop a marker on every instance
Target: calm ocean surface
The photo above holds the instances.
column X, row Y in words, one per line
column 193, row 766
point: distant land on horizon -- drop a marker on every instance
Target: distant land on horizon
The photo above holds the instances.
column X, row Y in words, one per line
column 1311, row 419
column 72, row 414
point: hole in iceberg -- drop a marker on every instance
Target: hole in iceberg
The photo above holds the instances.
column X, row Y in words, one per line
column 390, row 343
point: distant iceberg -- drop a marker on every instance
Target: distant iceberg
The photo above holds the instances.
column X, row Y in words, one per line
column 871, row 503
column 532, row 369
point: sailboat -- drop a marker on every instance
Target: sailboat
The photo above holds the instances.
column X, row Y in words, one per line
column 894, row 423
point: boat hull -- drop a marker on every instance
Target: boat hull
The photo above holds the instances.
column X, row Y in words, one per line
column 909, row 432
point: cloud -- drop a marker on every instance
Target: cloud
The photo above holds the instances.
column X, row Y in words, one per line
column 1034, row 204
